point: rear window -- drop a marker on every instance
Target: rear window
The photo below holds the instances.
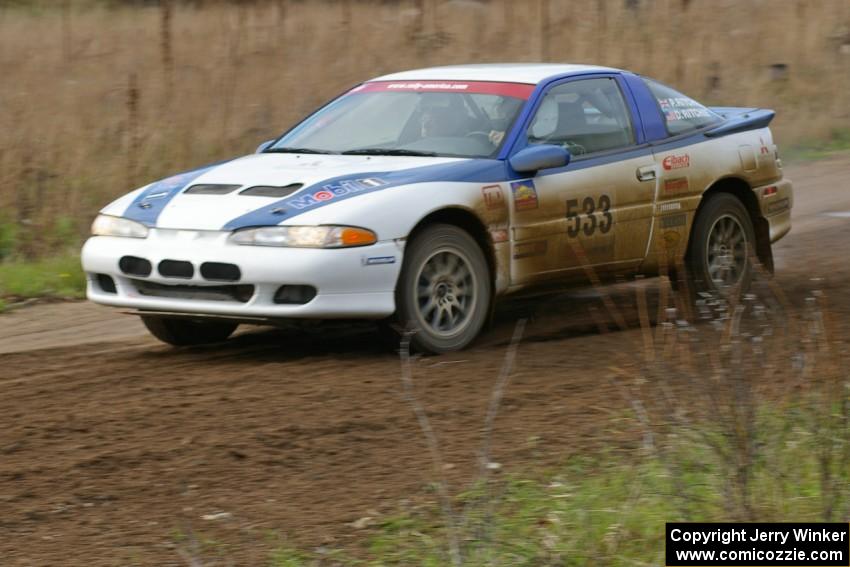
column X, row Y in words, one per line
column 681, row 113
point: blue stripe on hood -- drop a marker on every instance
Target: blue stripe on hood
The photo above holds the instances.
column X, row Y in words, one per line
column 148, row 205
column 336, row 189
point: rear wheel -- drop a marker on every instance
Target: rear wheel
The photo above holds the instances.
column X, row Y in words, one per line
column 721, row 248
column 444, row 289
column 187, row 332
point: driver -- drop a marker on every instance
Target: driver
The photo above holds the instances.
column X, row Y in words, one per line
column 436, row 121
column 506, row 110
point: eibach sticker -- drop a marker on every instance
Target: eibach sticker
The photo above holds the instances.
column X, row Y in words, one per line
column 676, row 162
column 525, row 195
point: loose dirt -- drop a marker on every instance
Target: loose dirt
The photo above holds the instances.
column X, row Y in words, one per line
column 111, row 444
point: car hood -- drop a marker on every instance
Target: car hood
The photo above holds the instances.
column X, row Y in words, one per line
column 317, row 180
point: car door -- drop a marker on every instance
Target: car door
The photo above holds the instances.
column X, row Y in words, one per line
column 592, row 216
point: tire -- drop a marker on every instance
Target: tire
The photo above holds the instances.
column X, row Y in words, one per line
column 721, row 250
column 444, row 290
column 187, row 332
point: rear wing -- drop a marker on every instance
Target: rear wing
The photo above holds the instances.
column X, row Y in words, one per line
column 739, row 120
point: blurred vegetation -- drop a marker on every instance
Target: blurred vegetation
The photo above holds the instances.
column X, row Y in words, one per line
column 744, row 417
column 837, row 141
column 717, row 446
column 99, row 101
column 55, row 276
column 603, row 509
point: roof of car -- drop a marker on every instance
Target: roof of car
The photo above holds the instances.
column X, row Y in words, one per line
column 531, row 73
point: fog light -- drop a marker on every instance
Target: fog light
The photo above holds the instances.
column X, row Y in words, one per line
column 106, row 283
column 294, row 294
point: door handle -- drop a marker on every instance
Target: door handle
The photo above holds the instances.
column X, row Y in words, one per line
column 646, row 173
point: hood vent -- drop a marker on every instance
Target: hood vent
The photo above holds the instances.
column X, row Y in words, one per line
column 271, row 191
column 210, row 189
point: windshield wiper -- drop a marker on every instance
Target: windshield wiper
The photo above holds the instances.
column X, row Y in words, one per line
column 297, row 151
column 387, row 152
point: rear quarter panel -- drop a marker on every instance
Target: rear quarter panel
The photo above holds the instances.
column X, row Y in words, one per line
column 687, row 171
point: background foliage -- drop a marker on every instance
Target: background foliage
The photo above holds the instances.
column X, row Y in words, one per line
column 101, row 96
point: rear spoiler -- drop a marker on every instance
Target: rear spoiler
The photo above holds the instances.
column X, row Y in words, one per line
column 739, row 120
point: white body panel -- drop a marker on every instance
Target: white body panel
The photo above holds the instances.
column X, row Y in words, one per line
column 651, row 217
column 348, row 286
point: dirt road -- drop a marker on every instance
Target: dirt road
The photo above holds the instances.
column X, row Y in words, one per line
column 111, row 443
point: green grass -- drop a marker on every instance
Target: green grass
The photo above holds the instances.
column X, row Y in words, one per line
column 604, row 509
column 58, row 276
column 838, row 141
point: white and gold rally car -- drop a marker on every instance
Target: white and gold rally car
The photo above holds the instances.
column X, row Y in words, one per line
column 424, row 196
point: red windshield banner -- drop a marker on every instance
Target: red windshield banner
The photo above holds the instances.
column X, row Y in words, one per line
column 515, row 90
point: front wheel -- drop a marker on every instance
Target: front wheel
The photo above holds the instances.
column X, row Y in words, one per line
column 187, row 332
column 444, row 290
column 720, row 254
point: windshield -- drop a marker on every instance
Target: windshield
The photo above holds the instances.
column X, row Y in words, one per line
column 429, row 118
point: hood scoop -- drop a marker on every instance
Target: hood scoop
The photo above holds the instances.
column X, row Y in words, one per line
column 271, row 190
column 210, row 189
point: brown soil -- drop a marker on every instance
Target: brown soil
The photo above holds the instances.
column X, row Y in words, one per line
column 111, row 443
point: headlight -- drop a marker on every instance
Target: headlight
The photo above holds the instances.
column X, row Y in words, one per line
column 107, row 225
column 305, row 236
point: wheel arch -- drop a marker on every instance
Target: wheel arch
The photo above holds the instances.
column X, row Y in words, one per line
column 468, row 221
column 742, row 190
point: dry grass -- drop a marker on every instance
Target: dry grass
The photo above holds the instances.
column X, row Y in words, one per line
column 96, row 101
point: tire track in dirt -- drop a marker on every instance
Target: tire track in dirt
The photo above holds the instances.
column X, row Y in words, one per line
column 109, row 442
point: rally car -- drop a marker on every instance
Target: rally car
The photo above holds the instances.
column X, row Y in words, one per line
column 424, row 196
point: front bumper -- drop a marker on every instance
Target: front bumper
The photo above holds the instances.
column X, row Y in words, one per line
column 349, row 282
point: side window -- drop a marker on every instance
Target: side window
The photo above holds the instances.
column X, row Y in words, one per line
column 585, row 117
column 681, row 113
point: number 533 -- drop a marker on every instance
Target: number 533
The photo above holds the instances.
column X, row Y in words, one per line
column 593, row 216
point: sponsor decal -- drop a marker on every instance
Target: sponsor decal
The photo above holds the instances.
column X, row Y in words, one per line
column 417, row 86
column 676, row 184
column 671, row 239
column 673, row 221
column 493, row 198
column 529, row 249
column 499, row 235
column 763, row 149
column 666, row 207
column 515, row 90
column 778, row 206
column 676, row 162
column 378, row 260
column 333, row 190
column 525, row 195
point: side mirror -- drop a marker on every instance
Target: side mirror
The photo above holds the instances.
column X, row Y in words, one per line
column 534, row 158
column 264, row 146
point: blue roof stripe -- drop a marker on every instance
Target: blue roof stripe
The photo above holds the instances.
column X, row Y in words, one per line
column 336, row 189
column 150, row 203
